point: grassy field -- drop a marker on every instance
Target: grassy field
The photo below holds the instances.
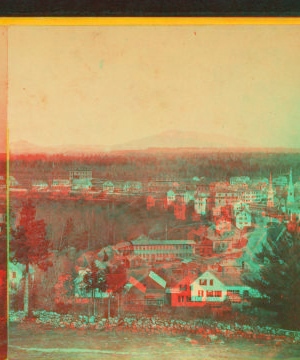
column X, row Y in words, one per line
column 31, row 342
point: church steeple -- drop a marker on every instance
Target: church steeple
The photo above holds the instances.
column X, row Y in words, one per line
column 291, row 197
column 270, row 202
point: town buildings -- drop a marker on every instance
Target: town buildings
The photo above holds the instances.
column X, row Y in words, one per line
column 200, row 201
column 80, row 174
column 243, row 219
column 162, row 250
column 270, row 203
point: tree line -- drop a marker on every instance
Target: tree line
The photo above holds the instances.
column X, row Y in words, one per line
column 134, row 166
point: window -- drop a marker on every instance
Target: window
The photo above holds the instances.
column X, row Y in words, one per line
column 211, row 282
column 178, row 298
column 218, row 293
column 202, row 282
column 200, row 293
column 182, row 298
column 229, row 292
column 210, row 294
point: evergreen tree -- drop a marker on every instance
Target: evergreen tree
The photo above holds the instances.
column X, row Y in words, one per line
column 279, row 276
column 30, row 245
column 69, row 283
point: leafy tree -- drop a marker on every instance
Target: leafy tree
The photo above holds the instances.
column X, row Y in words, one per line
column 279, row 276
column 69, row 283
column 68, row 233
column 95, row 279
column 30, row 245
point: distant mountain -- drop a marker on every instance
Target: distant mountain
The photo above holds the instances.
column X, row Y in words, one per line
column 170, row 141
column 175, row 139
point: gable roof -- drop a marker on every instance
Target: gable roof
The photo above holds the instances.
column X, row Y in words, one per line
column 137, row 284
column 201, row 230
column 225, row 278
column 162, row 242
column 159, row 280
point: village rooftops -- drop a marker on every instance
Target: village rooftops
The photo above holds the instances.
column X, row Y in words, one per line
column 212, row 234
column 76, row 168
column 162, row 242
column 199, row 231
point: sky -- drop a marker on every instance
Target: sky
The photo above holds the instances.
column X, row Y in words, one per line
column 3, row 89
column 111, row 85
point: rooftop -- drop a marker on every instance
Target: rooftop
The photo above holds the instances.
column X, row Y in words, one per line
column 163, row 242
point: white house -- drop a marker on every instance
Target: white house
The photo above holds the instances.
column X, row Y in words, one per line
column 223, row 224
column 81, row 184
column 61, row 184
column 108, row 187
column 238, row 206
column 15, row 275
column 132, row 186
column 16, row 272
column 12, row 181
column 213, row 286
column 200, row 204
column 243, row 219
column 239, row 180
column 189, row 196
column 39, row 185
column 170, row 197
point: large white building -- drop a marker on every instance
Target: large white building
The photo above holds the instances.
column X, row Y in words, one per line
column 80, row 173
column 200, row 203
column 161, row 250
column 251, row 196
column 243, row 219
column 214, row 286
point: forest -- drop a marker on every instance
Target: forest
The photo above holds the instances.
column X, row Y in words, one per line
column 142, row 165
column 92, row 226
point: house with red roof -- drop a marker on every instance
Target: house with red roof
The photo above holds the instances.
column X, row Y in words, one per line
column 223, row 224
column 178, row 292
column 197, row 235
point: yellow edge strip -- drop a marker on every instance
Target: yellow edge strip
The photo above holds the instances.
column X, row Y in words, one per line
column 7, row 230
column 147, row 21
